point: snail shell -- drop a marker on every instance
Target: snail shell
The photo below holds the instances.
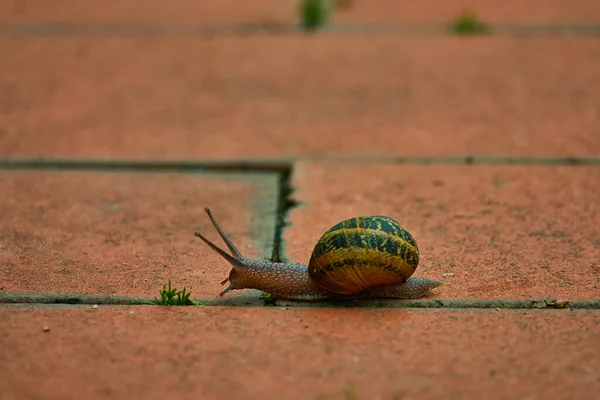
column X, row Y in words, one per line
column 363, row 252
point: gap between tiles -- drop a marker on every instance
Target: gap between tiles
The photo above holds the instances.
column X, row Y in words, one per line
column 245, row 301
column 270, row 28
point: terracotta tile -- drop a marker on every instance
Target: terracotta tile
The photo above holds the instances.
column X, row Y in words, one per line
column 218, row 98
column 512, row 11
column 147, row 11
column 504, row 232
column 217, row 353
column 127, row 233
column 230, row 11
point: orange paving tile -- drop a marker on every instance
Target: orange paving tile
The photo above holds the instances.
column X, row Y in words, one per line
column 230, row 11
column 274, row 97
column 512, row 11
column 115, row 11
column 127, row 233
column 503, row 232
column 223, row 352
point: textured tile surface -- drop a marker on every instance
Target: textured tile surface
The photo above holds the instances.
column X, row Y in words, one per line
column 500, row 231
column 150, row 11
column 231, row 11
column 216, row 353
column 127, row 233
column 513, row 11
column 224, row 97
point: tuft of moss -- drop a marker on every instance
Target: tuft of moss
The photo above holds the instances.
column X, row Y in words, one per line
column 372, row 305
column 269, row 300
column 314, row 14
column 171, row 297
column 467, row 23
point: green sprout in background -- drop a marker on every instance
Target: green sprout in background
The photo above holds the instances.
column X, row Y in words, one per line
column 314, row 14
column 171, row 297
column 467, row 23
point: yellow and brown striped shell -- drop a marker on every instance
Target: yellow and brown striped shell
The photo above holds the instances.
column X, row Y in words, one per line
column 363, row 252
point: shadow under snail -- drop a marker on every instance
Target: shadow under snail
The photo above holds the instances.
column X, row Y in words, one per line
column 362, row 257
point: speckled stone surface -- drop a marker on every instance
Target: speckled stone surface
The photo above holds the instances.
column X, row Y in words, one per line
column 491, row 232
column 231, row 11
column 217, row 353
column 147, row 11
column 512, row 11
column 488, row 231
column 293, row 96
column 127, row 233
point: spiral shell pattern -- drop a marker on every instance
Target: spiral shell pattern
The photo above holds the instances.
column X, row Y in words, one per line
column 363, row 252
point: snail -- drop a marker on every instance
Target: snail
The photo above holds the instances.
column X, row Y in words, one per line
column 362, row 257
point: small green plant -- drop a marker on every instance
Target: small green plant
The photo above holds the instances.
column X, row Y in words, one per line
column 269, row 300
column 171, row 297
column 467, row 23
column 372, row 305
column 314, row 14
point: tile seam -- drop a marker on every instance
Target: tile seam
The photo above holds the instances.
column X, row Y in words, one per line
column 276, row 165
column 284, row 206
column 531, row 304
column 268, row 27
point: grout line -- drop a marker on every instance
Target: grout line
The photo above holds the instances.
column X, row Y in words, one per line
column 284, row 206
column 282, row 165
column 285, row 28
column 7, row 298
column 143, row 165
column 458, row 160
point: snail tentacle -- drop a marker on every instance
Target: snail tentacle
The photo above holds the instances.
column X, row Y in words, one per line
column 283, row 280
column 234, row 251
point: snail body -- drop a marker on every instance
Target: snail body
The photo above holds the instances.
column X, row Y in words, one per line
column 362, row 257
